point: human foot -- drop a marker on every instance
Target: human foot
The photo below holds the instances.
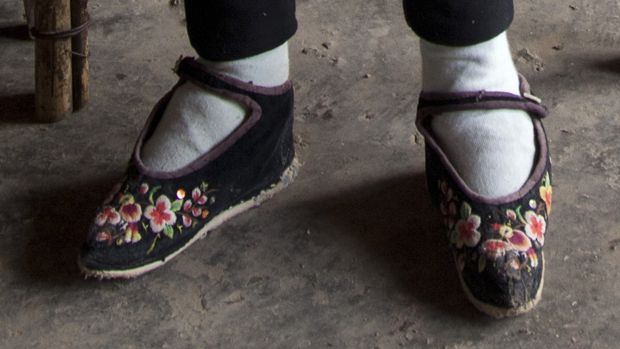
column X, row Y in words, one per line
column 196, row 119
column 492, row 150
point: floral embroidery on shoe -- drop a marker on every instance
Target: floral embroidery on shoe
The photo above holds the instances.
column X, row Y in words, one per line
column 130, row 211
column 132, row 233
column 108, row 215
column 137, row 212
column 519, row 241
column 535, row 226
column 546, row 192
column 143, row 189
column 195, row 207
column 160, row 216
column 533, row 257
column 103, row 236
column 515, row 237
column 494, row 248
column 467, row 228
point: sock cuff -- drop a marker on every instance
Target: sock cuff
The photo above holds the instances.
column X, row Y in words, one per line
column 267, row 69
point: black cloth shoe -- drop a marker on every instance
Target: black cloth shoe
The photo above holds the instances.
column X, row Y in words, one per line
column 152, row 216
column 497, row 243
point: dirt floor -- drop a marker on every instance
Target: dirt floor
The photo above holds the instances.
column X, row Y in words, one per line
column 351, row 255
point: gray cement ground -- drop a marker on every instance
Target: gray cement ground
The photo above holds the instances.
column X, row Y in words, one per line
column 351, row 255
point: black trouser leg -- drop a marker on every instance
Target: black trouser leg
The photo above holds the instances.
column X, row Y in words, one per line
column 223, row 30
column 458, row 22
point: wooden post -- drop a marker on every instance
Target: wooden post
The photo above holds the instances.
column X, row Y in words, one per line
column 79, row 16
column 53, row 95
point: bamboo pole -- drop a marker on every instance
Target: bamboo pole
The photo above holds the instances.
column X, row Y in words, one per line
column 53, row 92
column 79, row 62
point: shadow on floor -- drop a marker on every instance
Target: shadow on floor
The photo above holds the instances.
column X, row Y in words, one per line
column 60, row 221
column 17, row 108
column 608, row 65
column 392, row 219
column 395, row 222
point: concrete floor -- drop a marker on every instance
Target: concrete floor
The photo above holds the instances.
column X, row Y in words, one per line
column 350, row 256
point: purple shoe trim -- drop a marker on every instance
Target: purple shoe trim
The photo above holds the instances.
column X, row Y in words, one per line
column 442, row 102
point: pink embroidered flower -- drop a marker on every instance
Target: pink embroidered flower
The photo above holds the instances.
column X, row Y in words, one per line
column 103, row 236
column 519, row 241
column 132, row 233
column 108, row 215
column 131, row 212
column 467, row 231
column 494, row 249
column 533, row 257
column 160, row 215
column 187, row 206
column 511, row 214
column 535, row 226
column 198, row 198
column 187, row 221
column 195, row 207
column 144, row 188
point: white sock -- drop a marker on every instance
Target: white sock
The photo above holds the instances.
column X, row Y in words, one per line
column 196, row 120
column 493, row 151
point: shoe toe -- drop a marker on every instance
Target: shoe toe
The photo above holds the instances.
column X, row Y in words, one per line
column 504, row 285
column 107, row 250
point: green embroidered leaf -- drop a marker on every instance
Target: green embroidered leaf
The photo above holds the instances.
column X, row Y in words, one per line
column 152, row 245
column 482, row 263
column 465, row 210
column 127, row 198
column 152, row 192
column 169, row 231
column 204, row 186
column 176, row 206
column 520, row 216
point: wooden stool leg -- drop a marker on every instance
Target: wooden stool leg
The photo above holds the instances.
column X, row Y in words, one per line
column 79, row 16
column 53, row 92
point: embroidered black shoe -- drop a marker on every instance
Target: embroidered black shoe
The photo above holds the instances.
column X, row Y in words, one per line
column 497, row 243
column 153, row 215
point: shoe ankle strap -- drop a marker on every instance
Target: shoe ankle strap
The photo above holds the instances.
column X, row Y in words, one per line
column 432, row 103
